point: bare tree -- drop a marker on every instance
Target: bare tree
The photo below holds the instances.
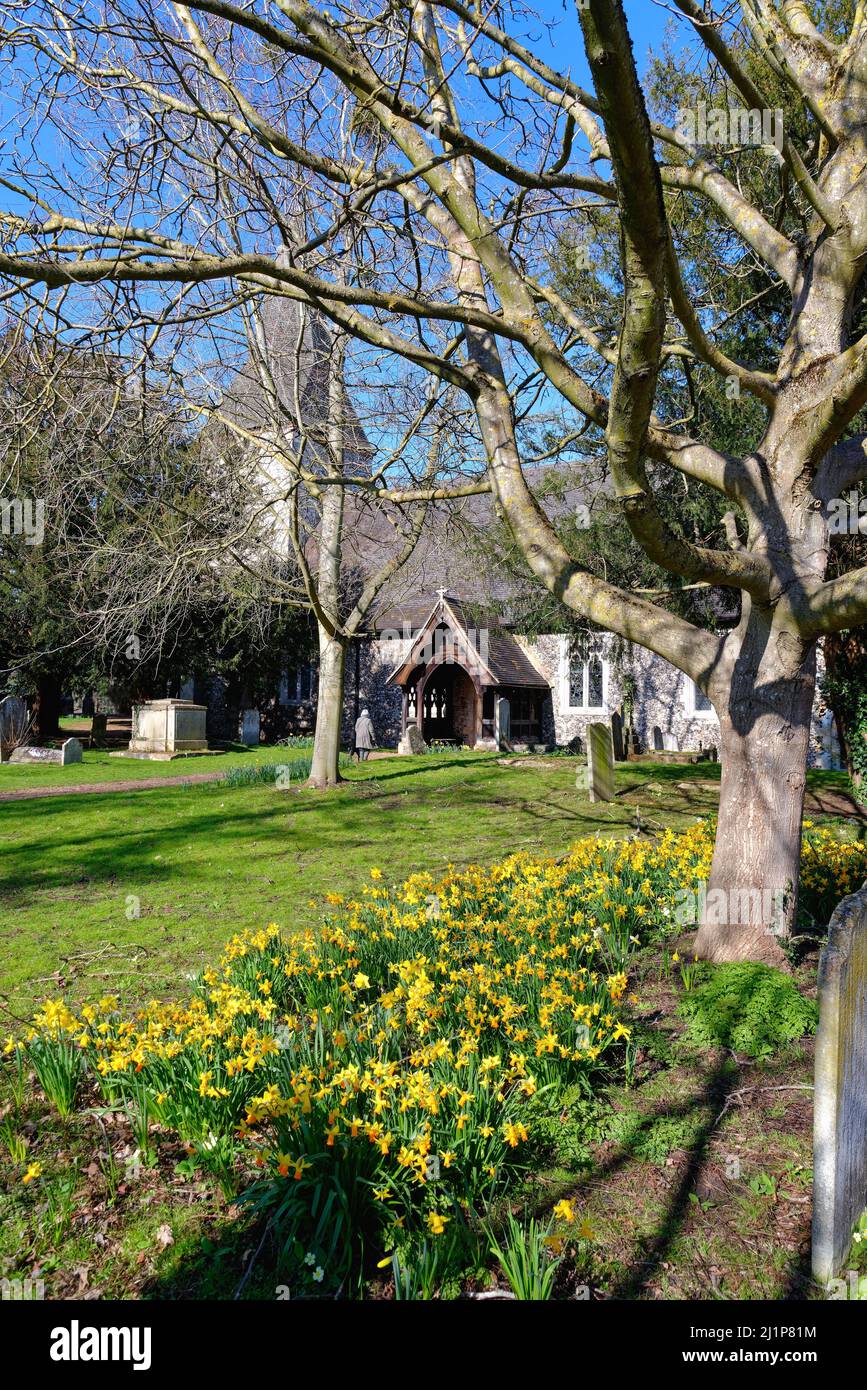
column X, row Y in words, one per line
column 163, row 505
column 296, row 412
column 446, row 146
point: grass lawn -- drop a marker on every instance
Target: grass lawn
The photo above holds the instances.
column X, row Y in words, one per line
column 98, row 765
column 200, row 862
column 693, row 1181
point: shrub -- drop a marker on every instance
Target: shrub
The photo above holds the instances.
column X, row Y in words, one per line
column 748, row 1007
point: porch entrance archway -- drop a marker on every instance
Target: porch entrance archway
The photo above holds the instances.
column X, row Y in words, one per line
column 448, row 705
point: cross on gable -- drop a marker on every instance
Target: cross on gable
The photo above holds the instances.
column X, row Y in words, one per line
column 442, row 594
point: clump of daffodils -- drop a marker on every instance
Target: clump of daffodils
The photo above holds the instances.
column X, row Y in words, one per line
column 398, row 1044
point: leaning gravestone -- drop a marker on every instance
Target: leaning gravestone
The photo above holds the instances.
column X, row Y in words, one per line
column 600, row 762
column 70, row 752
column 840, row 1100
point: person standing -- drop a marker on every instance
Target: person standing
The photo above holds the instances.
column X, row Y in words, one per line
column 364, row 735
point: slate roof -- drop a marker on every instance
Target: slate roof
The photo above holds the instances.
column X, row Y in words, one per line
column 446, row 556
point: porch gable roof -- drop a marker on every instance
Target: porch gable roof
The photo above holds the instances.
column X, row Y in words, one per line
column 505, row 662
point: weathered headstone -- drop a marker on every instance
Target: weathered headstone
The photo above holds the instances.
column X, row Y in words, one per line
column 412, row 740
column 13, row 723
column 840, row 1098
column 600, row 762
column 617, row 736
column 98, row 730
column 29, row 754
column 248, row 728
column 504, row 720
column 70, row 752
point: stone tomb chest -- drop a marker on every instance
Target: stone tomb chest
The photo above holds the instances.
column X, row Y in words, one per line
column 167, row 729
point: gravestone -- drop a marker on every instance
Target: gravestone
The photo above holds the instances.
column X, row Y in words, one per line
column 29, row 754
column 412, row 741
column 600, row 762
column 13, row 723
column 69, row 752
column 248, row 728
column 840, row 1098
column 504, row 719
column 98, row 730
column 617, row 736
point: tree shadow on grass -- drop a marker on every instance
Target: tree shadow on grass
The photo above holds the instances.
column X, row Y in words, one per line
column 107, row 849
column 239, row 1264
column 652, row 1253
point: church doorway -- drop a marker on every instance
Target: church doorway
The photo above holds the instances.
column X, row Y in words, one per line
column 449, row 706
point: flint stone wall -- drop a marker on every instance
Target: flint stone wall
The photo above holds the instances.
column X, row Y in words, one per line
column 662, row 701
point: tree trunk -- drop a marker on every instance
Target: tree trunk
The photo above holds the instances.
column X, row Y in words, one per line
column 46, row 710
column 325, row 768
column 750, row 903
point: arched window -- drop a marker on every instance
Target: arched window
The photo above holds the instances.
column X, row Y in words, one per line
column 586, row 673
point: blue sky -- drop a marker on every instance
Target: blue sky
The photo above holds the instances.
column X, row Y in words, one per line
column 647, row 23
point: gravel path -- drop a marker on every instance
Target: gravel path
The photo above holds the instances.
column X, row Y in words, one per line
column 141, row 784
